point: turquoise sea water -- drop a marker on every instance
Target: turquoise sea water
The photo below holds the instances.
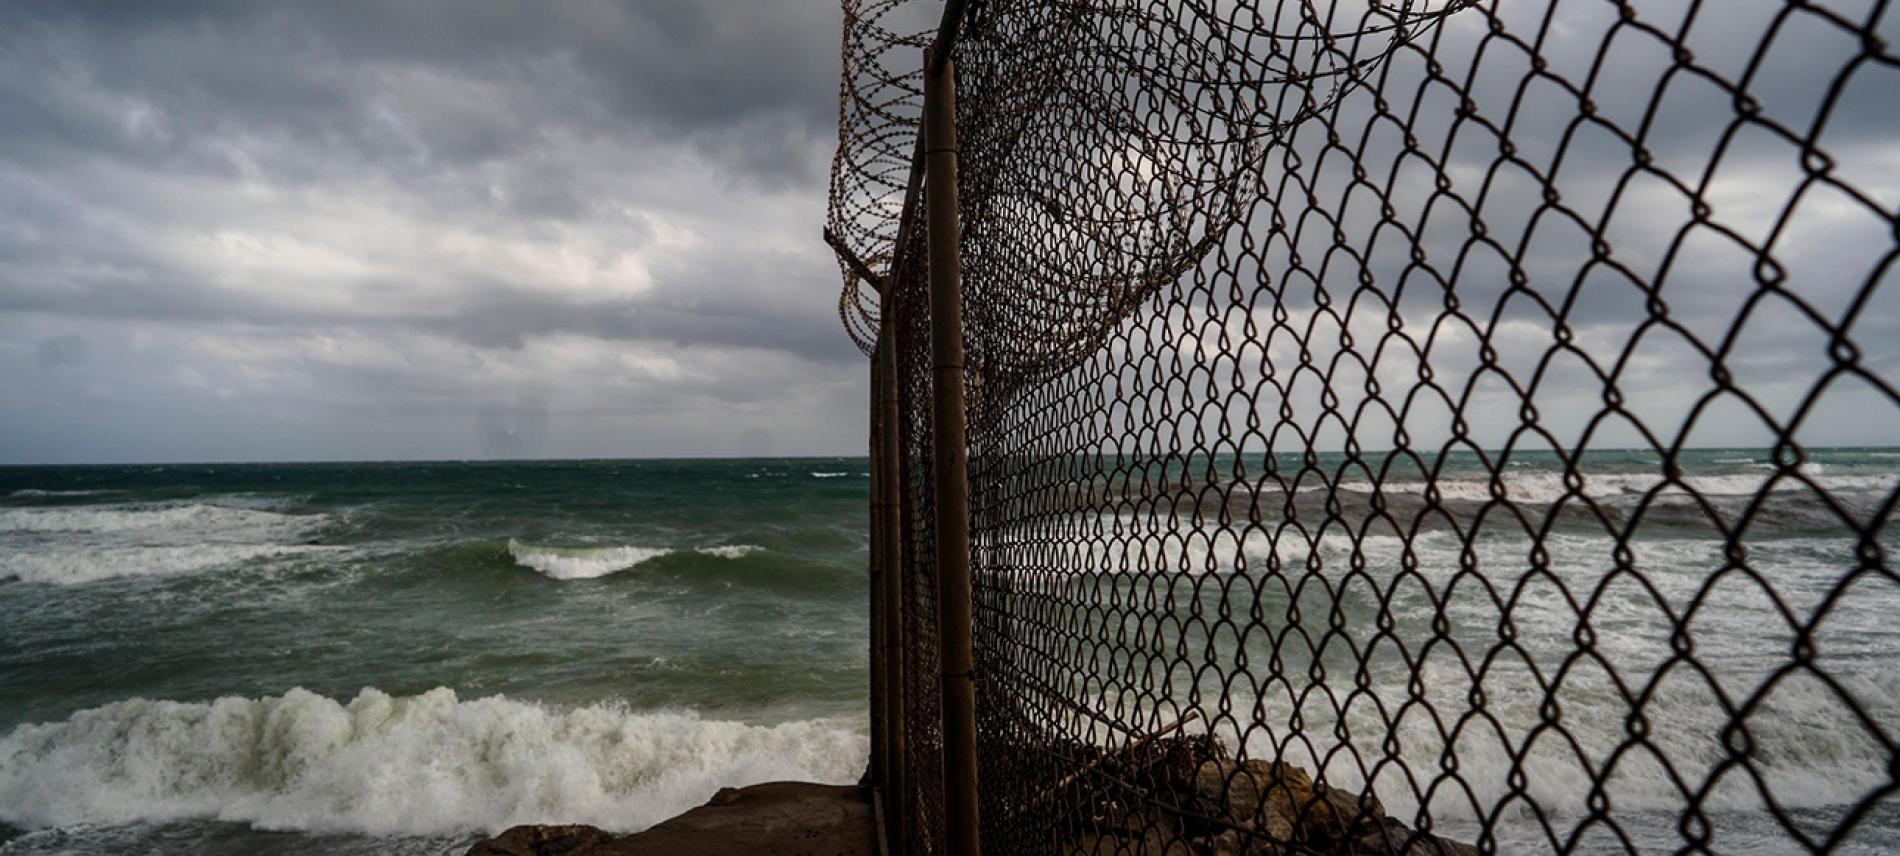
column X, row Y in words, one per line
column 396, row 657
column 399, row 658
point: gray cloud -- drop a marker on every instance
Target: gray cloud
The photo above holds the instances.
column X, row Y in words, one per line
column 1686, row 120
column 445, row 228
column 418, row 229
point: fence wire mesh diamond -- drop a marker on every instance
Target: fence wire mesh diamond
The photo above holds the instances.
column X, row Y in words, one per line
column 1402, row 426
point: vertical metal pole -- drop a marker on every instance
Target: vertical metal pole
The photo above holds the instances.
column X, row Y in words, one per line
column 880, row 749
column 890, row 546
column 949, row 455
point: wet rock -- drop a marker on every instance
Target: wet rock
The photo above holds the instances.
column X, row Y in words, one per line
column 1185, row 795
column 1232, row 843
column 1345, row 814
column 566, row 840
column 1283, row 803
column 1256, row 795
column 771, row 819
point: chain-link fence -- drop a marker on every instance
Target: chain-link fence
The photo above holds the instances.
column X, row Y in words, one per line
column 1424, row 426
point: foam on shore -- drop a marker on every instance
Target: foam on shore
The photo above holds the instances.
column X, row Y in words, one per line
column 388, row 765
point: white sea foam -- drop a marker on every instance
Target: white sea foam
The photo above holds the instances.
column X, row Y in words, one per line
column 580, row 563
column 1438, row 585
column 73, row 565
column 1546, row 487
column 175, row 520
column 585, row 563
column 829, row 475
column 1812, row 754
column 383, row 765
column 83, row 544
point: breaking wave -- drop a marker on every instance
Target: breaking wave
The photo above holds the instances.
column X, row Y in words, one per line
column 585, row 563
column 393, row 765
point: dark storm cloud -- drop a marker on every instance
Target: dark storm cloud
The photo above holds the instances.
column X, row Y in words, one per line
column 658, row 68
column 365, row 229
column 413, row 212
column 1569, row 180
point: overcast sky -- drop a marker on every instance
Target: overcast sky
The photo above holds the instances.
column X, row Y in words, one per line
column 273, row 231
column 460, row 228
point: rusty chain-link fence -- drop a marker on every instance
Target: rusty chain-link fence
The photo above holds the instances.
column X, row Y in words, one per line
column 1429, row 426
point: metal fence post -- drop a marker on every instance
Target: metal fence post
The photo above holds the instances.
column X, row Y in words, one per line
column 890, row 556
column 880, row 623
column 949, row 456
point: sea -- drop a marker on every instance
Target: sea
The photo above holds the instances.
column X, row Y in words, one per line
column 401, row 658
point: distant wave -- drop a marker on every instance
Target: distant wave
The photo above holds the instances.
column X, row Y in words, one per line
column 584, row 563
column 77, row 565
column 84, row 544
column 386, row 765
column 197, row 519
column 829, row 475
column 36, row 493
column 1546, row 487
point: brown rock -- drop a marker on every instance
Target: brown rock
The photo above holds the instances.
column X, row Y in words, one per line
column 568, row 840
column 1338, row 815
column 1284, row 803
column 780, row 818
column 1165, row 843
column 1231, row 843
column 1227, row 843
column 1258, row 795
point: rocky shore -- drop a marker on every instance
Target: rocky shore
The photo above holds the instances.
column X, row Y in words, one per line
column 1177, row 797
column 1186, row 796
column 772, row 819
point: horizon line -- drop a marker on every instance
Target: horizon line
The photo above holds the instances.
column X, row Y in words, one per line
column 794, row 457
